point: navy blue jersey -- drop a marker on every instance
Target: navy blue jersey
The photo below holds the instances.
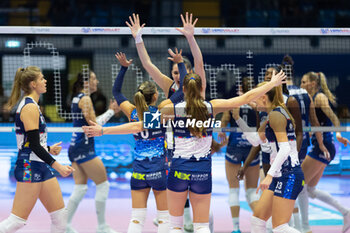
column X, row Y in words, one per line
column 292, row 160
column 237, row 139
column 79, row 139
column 324, row 121
column 149, row 147
column 190, row 152
column 173, row 88
column 304, row 101
column 24, row 152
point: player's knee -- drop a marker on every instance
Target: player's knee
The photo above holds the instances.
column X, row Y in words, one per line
column 102, row 191
column 251, row 195
column 58, row 221
column 311, row 191
column 233, row 197
column 79, row 192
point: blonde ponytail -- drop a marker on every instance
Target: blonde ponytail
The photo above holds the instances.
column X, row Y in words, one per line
column 22, row 81
column 195, row 107
column 275, row 96
column 324, row 87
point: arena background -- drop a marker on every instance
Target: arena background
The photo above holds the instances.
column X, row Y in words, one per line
column 235, row 42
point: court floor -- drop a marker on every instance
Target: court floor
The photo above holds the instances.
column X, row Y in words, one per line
column 322, row 217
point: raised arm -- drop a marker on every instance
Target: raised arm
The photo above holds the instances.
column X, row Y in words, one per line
column 322, row 101
column 221, row 105
column 188, row 32
column 122, row 101
column 163, row 81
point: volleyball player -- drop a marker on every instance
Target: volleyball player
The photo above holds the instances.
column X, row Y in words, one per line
column 32, row 172
column 284, row 179
column 149, row 171
column 168, row 85
column 237, row 151
column 82, row 153
column 316, row 161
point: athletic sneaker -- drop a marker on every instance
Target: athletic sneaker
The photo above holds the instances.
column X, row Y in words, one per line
column 70, row 229
column 188, row 227
column 346, row 222
column 105, row 229
column 155, row 221
column 236, row 231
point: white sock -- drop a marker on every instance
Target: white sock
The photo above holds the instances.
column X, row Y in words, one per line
column 269, row 225
column 12, row 224
column 258, row 225
column 201, row 227
column 327, row 198
column 59, row 221
column 211, row 221
column 77, row 195
column 303, row 201
column 176, row 224
column 138, row 216
column 235, row 222
column 163, row 221
column 187, row 216
column 296, row 216
column 101, row 196
column 284, row 228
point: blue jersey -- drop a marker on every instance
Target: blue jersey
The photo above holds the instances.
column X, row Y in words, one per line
column 190, row 152
column 79, row 139
column 24, row 152
column 304, row 101
column 324, row 121
column 173, row 88
column 237, row 139
column 149, row 148
column 292, row 160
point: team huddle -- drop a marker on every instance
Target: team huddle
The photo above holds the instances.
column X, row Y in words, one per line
column 175, row 162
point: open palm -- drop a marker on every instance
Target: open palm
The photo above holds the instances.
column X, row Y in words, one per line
column 188, row 26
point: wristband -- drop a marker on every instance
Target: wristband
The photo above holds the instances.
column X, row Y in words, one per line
column 338, row 134
column 138, row 38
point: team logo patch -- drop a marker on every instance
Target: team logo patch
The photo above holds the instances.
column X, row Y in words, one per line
column 182, row 175
column 138, row 176
column 151, row 120
column 27, row 173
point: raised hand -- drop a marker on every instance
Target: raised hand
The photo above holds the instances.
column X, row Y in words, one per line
column 123, row 60
column 134, row 25
column 55, row 149
column 279, row 78
column 93, row 130
column 188, row 26
column 175, row 57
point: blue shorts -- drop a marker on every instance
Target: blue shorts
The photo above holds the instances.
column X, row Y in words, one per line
column 81, row 153
column 265, row 158
column 30, row 171
column 196, row 182
column 302, row 154
column 317, row 154
column 155, row 180
column 289, row 185
column 238, row 155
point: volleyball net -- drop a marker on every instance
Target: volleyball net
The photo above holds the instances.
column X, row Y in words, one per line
column 229, row 55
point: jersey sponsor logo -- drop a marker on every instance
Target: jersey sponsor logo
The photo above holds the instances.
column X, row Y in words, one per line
column 36, row 177
column 138, row 176
column 182, row 175
column 154, row 176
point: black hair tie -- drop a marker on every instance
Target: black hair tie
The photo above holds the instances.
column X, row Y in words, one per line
column 140, row 91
